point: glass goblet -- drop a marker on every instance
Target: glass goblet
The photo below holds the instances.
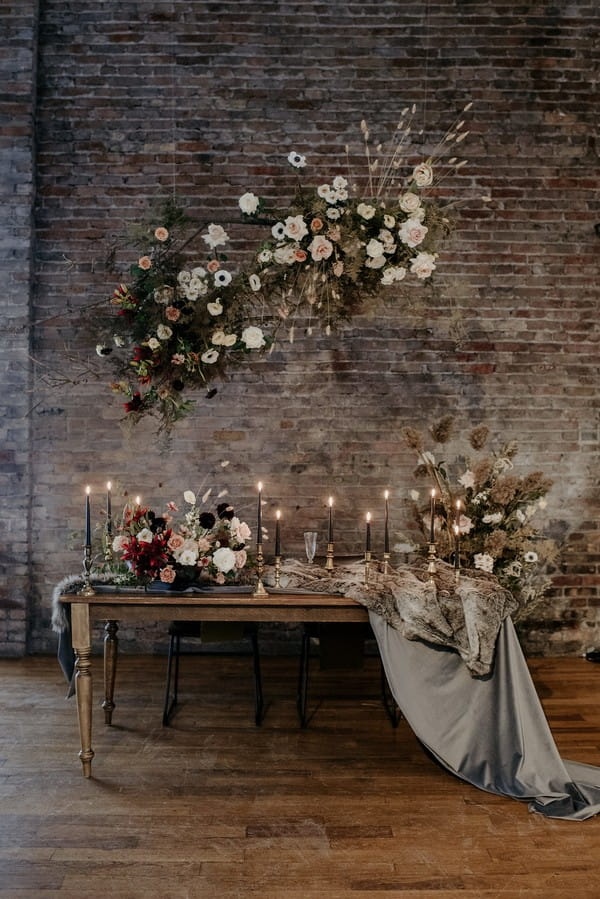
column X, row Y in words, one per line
column 310, row 544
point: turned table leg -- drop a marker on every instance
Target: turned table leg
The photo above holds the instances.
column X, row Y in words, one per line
column 111, row 649
column 80, row 625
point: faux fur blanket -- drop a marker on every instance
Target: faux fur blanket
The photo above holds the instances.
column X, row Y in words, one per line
column 465, row 617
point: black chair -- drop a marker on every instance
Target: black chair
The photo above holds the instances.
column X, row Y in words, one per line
column 179, row 630
column 349, row 638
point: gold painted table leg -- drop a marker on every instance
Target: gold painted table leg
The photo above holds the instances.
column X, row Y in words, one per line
column 111, row 650
column 80, row 624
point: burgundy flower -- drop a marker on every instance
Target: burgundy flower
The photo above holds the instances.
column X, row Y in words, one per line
column 135, row 403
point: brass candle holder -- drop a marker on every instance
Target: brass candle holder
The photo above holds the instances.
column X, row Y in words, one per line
column 386, row 563
column 457, row 576
column 87, row 589
column 108, row 552
column 431, row 559
column 329, row 559
column 278, row 571
column 367, row 566
column 259, row 590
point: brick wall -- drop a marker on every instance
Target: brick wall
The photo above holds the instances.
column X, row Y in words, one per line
column 18, row 22
column 137, row 99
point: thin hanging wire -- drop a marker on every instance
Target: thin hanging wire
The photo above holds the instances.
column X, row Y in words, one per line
column 426, row 79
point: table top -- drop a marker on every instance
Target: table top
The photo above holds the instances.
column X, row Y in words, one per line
column 228, row 605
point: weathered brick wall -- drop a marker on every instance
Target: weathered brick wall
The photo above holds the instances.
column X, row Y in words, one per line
column 208, row 98
column 18, row 25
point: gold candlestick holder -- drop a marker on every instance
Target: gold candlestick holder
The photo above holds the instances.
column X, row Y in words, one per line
column 108, row 553
column 386, row 563
column 87, row 589
column 259, row 590
column 367, row 566
column 431, row 560
column 457, row 575
column 278, row 571
column 329, row 560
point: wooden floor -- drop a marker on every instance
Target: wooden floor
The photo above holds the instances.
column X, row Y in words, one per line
column 215, row 807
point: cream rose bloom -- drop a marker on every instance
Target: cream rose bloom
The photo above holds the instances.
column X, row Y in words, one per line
column 320, row 248
column 153, row 343
column 214, row 308
column 295, row 227
column 163, row 332
column 374, row 248
column 253, row 337
column 224, row 559
column 216, row 236
column 366, row 211
column 248, row 203
column 412, row 232
column 423, row 175
column 423, row 265
column 409, row 202
column 145, row 536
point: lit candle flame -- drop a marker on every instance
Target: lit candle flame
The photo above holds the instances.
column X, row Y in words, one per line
column 330, row 500
column 109, row 485
column 88, row 489
column 368, row 517
column 278, row 514
column 138, row 500
column 386, row 494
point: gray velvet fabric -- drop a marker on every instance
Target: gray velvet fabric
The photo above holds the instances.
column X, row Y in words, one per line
column 489, row 730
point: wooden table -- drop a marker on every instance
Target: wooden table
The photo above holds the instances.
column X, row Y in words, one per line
column 144, row 607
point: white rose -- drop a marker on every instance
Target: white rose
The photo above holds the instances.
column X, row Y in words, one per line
column 484, row 561
column 374, row 248
column 412, row 232
column 188, row 557
column 295, row 227
column 229, row 339
column 423, row 175
column 320, row 248
column 119, row 544
column 409, row 202
column 224, row 559
column 216, row 236
column 214, row 308
column 183, row 277
column 365, row 211
column 209, row 357
column 333, row 214
column 153, row 343
column 248, row 203
column 218, row 338
column 163, row 332
column 389, row 221
column 145, row 536
column 199, row 272
column 284, row 255
column 323, row 190
column 378, row 262
column 339, row 182
column 423, row 265
column 190, row 497
column 253, row 338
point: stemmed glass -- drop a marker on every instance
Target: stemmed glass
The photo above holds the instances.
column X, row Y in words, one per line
column 310, row 544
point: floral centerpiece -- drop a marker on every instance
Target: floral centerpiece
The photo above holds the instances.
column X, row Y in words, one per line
column 495, row 515
column 201, row 546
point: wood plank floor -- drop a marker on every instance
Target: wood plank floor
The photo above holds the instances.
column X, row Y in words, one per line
column 215, row 807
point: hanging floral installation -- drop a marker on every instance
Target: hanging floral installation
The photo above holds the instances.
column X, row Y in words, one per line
column 179, row 321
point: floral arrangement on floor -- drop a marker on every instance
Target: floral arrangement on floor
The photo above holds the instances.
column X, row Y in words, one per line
column 495, row 519
column 201, row 546
column 180, row 321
